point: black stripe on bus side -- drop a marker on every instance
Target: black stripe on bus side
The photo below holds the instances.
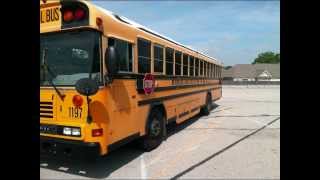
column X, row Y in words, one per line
column 123, row 141
column 46, row 107
column 159, row 76
column 48, row 112
column 182, row 86
column 194, row 109
column 183, row 114
column 175, row 87
column 152, row 100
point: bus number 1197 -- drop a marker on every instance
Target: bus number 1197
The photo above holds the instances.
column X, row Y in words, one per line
column 75, row 112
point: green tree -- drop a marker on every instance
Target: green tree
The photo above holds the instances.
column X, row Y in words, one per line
column 267, row 58
column 278, row 57
column 227, row 67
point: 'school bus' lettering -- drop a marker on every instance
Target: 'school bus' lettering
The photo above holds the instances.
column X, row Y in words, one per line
column 49, row 15
column 148, row 82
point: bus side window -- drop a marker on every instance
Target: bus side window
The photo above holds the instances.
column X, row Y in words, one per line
column 205, row 69
column 125, row 54
column 158, row 58
column 214, row 71
column 196, row 72
column 209, row 69
column 192, row 66
column 169, row 61
column 178, row 63
column 201, row 67
column 185, row 65
column 144, row 56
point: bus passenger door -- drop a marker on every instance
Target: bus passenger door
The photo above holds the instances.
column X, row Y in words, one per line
column 124, row 115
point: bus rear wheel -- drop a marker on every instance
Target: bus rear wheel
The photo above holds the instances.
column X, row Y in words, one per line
column 208, row 106
column 155, row 131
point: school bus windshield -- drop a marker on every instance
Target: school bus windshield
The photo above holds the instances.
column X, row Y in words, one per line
column 70, row 56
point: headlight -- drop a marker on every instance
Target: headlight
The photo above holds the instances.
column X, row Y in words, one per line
column 71, row 131
column 67, row 131
column 75, row 132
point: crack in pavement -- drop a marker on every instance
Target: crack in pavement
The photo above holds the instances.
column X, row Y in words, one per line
column 230, row 129
column 222, row 150
column 259, row 115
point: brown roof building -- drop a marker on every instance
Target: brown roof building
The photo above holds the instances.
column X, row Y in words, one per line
column 252, row 72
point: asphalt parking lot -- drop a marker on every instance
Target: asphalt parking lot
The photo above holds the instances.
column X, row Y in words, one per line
column 240, row 139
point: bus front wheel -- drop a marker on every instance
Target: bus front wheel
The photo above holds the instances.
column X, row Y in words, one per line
column 155, row 131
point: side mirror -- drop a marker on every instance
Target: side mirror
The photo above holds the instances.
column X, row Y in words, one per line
column 87, row 87
column 111, row 62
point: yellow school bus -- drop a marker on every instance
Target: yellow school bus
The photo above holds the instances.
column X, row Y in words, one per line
column 106, row 80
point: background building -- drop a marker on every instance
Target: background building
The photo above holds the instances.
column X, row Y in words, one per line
column 252, row 72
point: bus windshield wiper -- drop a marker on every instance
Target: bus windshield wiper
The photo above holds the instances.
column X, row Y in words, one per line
column 45, row 66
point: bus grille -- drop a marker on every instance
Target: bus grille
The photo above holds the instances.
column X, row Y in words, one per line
column 46, row 110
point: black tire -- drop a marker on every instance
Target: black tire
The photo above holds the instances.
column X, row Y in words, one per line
column 208, row 106
column 156, row 131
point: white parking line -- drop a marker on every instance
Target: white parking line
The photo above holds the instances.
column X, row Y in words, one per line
column 82, row 172
column 44, row 164
column 143, row 169
column 192, row 148
column 63, row 168
column 257, row 122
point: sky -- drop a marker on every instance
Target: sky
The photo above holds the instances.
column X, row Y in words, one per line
column 234, row 32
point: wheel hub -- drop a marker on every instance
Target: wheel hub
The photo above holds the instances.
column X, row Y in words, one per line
column 155, row 128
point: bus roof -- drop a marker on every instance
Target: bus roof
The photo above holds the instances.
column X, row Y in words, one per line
column 150, row 31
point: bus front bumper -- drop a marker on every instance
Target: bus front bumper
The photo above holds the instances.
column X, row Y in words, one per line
column 62, row 147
